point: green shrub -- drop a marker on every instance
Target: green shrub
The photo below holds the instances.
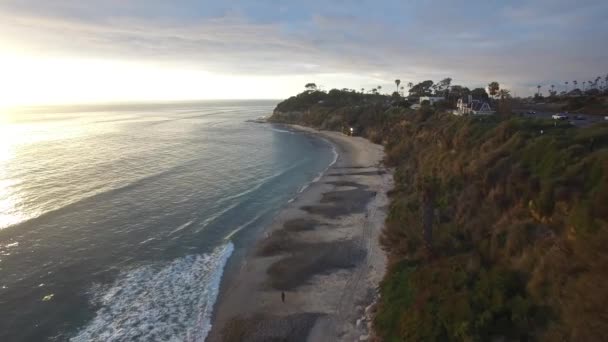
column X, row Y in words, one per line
column 519, row 221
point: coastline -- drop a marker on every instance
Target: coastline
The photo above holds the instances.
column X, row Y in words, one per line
column 321, row 251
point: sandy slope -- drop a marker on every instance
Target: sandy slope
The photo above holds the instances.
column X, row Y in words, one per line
column 322, row 251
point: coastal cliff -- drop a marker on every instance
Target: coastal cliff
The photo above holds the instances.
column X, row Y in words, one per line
column 497, row 226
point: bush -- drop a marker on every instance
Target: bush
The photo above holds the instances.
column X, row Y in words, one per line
column 519, row 222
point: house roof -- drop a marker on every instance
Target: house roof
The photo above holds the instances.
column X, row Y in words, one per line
column 478, row 105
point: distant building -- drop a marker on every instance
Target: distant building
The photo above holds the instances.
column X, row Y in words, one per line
column 472, row 107
column 432, row 99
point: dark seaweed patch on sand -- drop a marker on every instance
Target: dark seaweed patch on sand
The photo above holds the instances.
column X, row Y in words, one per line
column 346, row 183
column 341, row 203
column 301, row 224
column 355, row 167
column 362, row 173
column 278, row 242
column 263, row 328
column 313, row 259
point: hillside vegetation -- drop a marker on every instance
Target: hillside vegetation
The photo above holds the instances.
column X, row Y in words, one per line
column 497, row 228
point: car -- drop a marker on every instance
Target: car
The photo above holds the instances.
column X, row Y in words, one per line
column 579, row 117
column 606, row 117
column 531, row 112
column 559, row 117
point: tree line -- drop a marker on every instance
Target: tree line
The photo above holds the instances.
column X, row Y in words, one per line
column 443, row 88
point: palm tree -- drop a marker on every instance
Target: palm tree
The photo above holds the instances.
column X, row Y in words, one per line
column 402, row 92
column 584, row 82
column 362, row 90
column 538, row 86
column 575, row 83
column 552, row 89
column 379, row 88
column 397, row 82
column 597, row 79
column 566, row 86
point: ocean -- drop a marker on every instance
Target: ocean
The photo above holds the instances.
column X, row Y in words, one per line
column 117, row 221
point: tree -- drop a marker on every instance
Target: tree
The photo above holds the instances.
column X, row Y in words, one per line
column 575, row 83
column 459, row 92
column 422, row 89
column 402, row 92
column 443, row 87
column 479, row 94
column 566, row 86
column 504, row 104
column 493, row 88
column 311, row 86
column 538, row 86
column 552, row 92
column 362, row 90
column 503, row 94
column 397, row 83
column 379, row 88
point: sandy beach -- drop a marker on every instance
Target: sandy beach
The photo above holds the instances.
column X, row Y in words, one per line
column 315, row 269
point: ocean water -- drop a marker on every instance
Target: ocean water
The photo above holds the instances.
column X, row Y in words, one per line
column 117, row 222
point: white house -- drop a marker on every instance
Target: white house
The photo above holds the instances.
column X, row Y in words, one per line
column 431, row 99
column 473, row 107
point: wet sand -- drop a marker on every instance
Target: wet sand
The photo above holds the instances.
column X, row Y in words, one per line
column 321, row 252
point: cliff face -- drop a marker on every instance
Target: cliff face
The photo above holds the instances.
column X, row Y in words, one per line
column 519, row 223
column 287, row 117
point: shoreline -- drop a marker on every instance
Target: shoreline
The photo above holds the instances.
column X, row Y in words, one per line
column 321, row 251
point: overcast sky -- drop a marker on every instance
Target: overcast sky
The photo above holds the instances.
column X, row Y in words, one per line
column 151, row 49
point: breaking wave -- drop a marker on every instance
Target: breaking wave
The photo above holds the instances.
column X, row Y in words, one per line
column 170, row 302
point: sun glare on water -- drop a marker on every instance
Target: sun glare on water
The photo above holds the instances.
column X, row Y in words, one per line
column 8, row 211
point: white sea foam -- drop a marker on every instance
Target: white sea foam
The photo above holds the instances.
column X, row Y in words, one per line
column 320, row 175
column 260, row 183
column 171, row 302
column 183, row 226
column 336, row 155
column 282, row 131
column 245, row 225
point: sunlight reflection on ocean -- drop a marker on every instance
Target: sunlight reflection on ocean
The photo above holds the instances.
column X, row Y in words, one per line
column 99, row 202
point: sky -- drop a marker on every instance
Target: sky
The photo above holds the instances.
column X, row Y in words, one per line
column 74, row 51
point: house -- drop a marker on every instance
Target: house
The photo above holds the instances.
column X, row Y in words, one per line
column 472, row 107
column 432, row 99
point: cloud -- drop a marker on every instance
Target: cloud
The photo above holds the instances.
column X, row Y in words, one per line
column 520, row 43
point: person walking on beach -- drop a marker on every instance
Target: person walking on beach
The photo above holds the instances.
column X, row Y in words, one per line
column 283, row 296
